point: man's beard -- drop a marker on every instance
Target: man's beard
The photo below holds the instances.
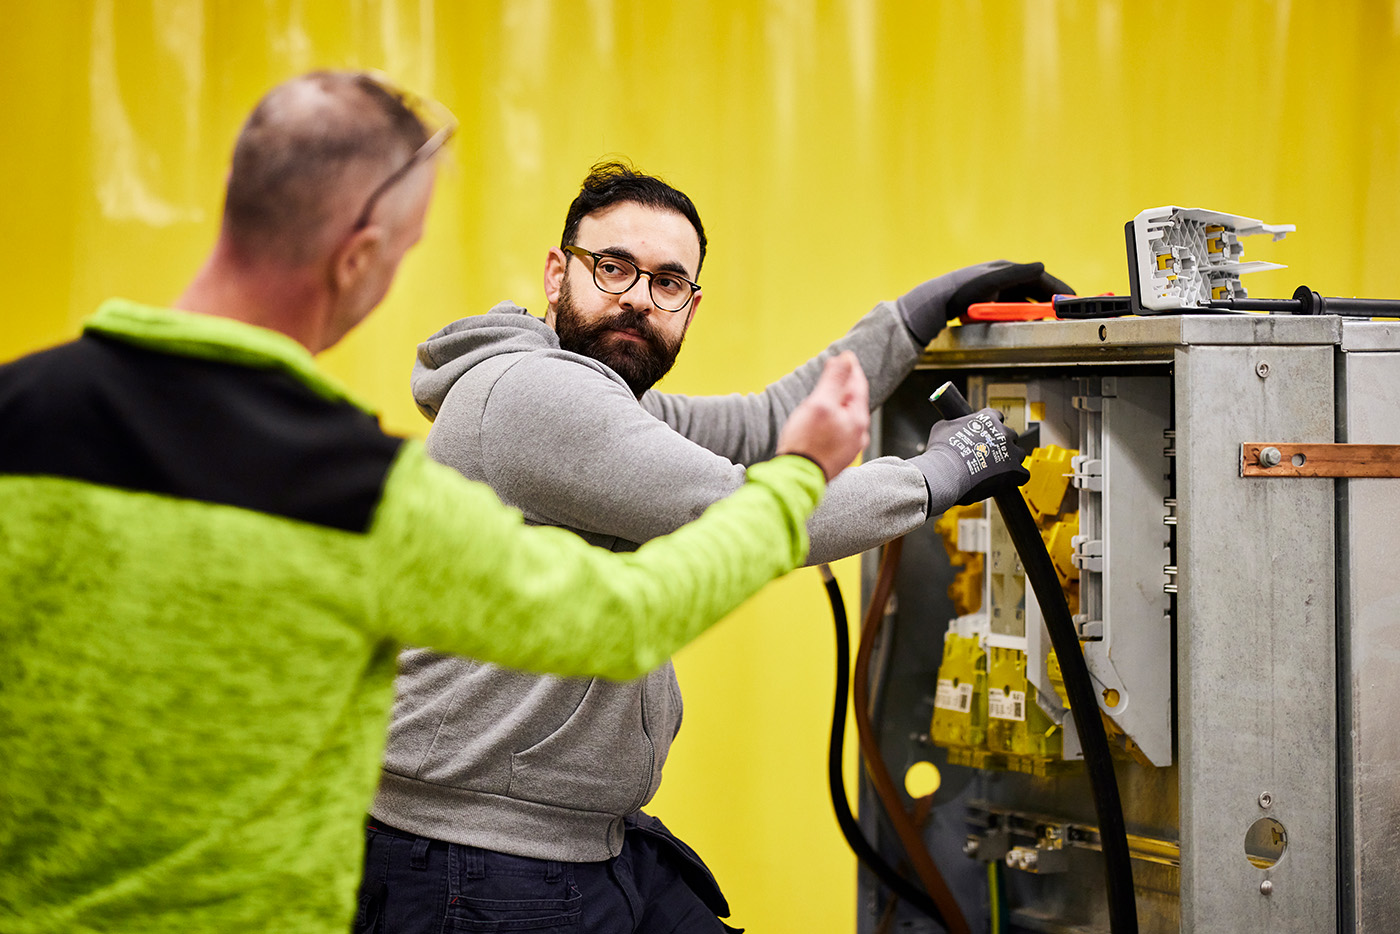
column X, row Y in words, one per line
column 639, row 364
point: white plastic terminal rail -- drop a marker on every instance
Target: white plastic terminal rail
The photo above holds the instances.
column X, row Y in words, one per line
column 1187, row 257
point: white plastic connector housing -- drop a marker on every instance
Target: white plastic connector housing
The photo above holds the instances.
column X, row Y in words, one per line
column 973, row 535
column 1187, row 257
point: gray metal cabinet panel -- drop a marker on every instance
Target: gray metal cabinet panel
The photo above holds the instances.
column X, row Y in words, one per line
column 1255, row 641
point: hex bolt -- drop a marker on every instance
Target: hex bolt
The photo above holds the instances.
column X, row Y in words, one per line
column 1262, row 369
column 1270, row 457
column 1266, row 887
column 1265, row 799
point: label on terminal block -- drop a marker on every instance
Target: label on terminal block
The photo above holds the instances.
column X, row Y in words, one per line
column 1005, row 705
column 949, row 697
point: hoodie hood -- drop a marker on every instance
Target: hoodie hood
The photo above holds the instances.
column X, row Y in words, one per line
column 451, row 352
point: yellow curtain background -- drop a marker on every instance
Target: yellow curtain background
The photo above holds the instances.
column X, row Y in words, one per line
column 839, row 153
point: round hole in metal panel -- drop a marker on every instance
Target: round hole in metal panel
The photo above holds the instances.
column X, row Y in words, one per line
column 1299, row 460
column 1265, row 842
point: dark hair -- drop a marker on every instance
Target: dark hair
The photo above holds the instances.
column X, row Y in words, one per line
column 290, row 159
column 614, row 182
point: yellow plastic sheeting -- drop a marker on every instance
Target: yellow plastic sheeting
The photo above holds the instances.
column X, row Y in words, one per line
column 839, row 153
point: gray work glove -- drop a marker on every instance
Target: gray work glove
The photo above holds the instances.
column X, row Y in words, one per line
column 967, row 459
column 927, row 308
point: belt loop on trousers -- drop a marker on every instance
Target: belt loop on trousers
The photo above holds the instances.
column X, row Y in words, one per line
column 418, row 858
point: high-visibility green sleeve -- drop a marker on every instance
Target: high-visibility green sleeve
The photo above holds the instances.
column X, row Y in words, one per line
column 459, row 572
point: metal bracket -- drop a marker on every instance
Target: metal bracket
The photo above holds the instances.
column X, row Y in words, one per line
column 1281, row 459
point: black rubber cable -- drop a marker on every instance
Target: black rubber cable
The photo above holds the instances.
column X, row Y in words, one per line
column 1083, row 701
column 850, row 828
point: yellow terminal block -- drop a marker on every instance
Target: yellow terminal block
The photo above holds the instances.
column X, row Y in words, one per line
column 985, row 710
column 1164, row 260
column 1059, row 543
column 1016, row 726
column 966, row 589
column 960, row 706
column 1057, row 677
column 1050, row 472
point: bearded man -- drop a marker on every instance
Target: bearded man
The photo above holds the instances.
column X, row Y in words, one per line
column 514, row 799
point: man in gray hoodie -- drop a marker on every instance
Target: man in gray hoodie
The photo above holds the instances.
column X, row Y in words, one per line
column 513, row 798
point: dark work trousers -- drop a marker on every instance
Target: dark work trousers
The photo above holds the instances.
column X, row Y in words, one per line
column 656, row 885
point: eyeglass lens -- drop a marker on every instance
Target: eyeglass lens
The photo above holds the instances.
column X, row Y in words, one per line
column 616, row 275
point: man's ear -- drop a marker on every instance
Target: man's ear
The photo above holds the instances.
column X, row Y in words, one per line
column 694, row 306
column 555, row 268
column 355, row 256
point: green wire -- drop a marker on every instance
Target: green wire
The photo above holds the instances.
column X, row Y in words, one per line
column 994, row 895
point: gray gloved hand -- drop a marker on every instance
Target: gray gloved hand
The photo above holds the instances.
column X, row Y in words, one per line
column 928, row 307
column 967, row 459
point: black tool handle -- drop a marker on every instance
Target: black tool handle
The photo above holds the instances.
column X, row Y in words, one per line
column 1307, row 302
column 1278, row 306
column 1083, row 700
column 1346, row 307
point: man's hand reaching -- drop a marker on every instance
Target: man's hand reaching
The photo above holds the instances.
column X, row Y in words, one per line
column 832, row 425
column 968, row 458
column 927, row 308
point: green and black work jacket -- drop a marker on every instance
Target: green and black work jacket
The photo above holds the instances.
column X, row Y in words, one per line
column 209, row 558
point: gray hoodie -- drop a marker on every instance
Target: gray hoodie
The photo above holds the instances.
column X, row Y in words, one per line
column 547, row 767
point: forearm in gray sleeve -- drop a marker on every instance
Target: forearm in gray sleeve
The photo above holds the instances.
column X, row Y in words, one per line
column 867, row 506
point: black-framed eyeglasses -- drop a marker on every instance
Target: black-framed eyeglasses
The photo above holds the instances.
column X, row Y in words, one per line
column 427, row 113
column 615, row 275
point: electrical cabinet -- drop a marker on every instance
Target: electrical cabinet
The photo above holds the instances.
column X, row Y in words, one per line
column 1239, row 630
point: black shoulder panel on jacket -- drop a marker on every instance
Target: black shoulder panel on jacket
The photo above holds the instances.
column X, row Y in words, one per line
column 107, row 412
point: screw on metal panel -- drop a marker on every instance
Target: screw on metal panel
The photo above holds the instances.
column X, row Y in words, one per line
column 1262, row 369
column 971, row 845
column 1266, row 887
column 1265, row 799
column 1270, row 457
